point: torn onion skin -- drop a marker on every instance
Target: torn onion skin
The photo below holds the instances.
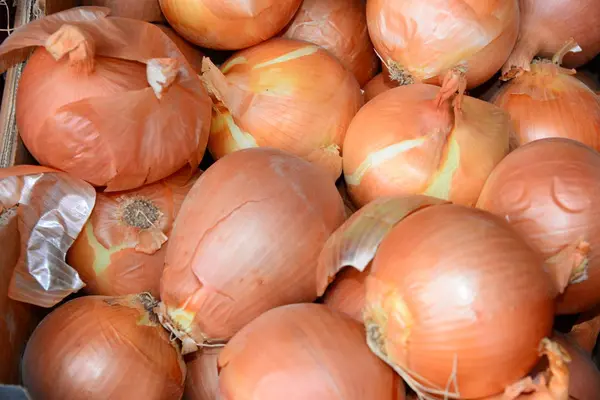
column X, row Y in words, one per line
column 122, row 247
column 202, row 379
column 304, row 351
column 228, row 25
column 402, row 142
column 98, row 347
column 347, row 293
column 549, row 191
column 286, row 94
column 252, row 245
column 340, row 27
column 379, row 84
column 191, row 53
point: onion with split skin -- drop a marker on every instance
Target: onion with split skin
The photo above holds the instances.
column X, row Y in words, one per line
column 304, row 351
column 286, row 94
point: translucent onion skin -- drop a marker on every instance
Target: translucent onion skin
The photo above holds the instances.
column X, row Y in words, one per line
column 98, row 347
column 229, row 25
column 304, row 351
column 549, row 191
column 549, row 102
column 112, row 255
column 454, row 292
column 340, row 27
column 347, row 293
column 246, row 240
column 379, row 84
column 202, row 379
column 402, row 143
column 285, row 94
column 422, row 40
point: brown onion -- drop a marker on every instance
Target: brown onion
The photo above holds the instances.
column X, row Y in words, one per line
column 549, row 191
column 379, row 84
column 202, row 380
column 404, row 142
column 98, row 347
column 304, row 351
column 340, row 27
column 228, row 25
column 246, row 240
column 347, row 293
column 585, row 332
column 120, row 114
column 285, row 94
column 145, row 10
column 191, row 53
column 120, row 250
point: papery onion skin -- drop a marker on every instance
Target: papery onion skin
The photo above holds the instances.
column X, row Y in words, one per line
column 403, row 143
column 548, row 102
column 549, row 191
column 202, row 379
column 379, row 84
column 425, row 39
column 340, row 27
column 304, row 351
column 145, row 10
column 229, row 25
column 251, row 246
column 454, row 292
column 192, row 54
column 286, row 94
column 347, row 293
column 114, row 257
column 98, row 347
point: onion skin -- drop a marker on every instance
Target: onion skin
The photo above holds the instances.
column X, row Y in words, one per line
column 145, row 10
column 423, row 40
column 340, row 27
column 347, row 293
column 192, row 54
column 228, row 25
column 549, row 191
column 549, row 102
column 285, row 94
column 377, row 85
column 289, row 208
column 98, row 347
column 403, row 143
column 113, row 257
column 202, row 379
column 307, row 350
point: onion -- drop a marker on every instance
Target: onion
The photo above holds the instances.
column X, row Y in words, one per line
column 246, row 240
column 547, row 25
column 98, row 347
column 120, row 250
column 439, row 41
column 549, row 191
column 456, row 301
column 347, row 293
column 229, row 25
column 304, row 351
column 403, row 142
column 379, row 84
column 285, row 94
column 585, row 332
column 145, row 10
column 340, row 27
column 202, row 379
column 549, row 101
column 120, row 114
column 192, row 54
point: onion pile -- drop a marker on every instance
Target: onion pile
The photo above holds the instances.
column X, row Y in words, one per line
column 307, row 350
column 405, row 142
column 285, row 94
column 145, row 10
column 228, row 25
column 98, row 347
column 120, row 250
column 549, row 191
column 340, row 27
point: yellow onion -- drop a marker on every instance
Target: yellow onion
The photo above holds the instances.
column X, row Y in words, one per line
column 98, row 347
column 379, row 84
column 121, row 248
column 108, row 100
column 456, row 301
column 405, row 142
column 286, row 94
column 340, row 27
column 145, row 10
column 585, row 332
column 549, row 191
column 202, row 379
column 440, row 41
column 246, row 240
column 191, row 53
column 304, row 351
column 347, row 293
column 228, row 25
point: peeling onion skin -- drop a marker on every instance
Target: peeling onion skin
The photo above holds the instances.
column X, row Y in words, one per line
column 347, row 293
column 402, row 143
column 376, row 86
column 549, row 191
column 340, row 27
column 98, row 347
column 247, row 239
column 228, row 25
column 454, row 284
column 202, row 379
column 549, row 102
column 304, row 351
column 191, row 53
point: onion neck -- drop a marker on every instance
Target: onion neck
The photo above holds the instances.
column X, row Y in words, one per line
column 161, row 74
column 453, row 87
column 520, row 59
column 77, row 44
